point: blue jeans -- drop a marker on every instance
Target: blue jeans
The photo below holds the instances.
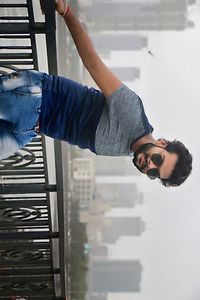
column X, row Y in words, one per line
column 20, row 102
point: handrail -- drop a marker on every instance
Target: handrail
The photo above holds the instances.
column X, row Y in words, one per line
column 27, row 238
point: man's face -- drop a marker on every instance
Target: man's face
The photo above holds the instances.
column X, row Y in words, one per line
column 155, row 161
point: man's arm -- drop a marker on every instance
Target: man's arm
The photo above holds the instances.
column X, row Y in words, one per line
column 104, row 78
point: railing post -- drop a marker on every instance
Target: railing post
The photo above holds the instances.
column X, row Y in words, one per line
column 26, row 233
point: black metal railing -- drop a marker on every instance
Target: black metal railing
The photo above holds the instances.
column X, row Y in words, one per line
column 32, row 251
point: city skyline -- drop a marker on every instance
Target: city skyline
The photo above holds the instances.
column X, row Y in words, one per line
column 169, row 251
column 163, row 248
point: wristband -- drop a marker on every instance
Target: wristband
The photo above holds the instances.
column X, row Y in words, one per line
column 67, row 9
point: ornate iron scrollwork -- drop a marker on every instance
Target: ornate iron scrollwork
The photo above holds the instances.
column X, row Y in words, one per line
column 11, row 214
column 22, row 158
column 24, row 286
column 21, row 255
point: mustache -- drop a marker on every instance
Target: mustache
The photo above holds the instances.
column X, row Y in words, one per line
column 141, row 168
column 143, row 150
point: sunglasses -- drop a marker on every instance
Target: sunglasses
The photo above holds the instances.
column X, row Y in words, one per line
column 157, row 159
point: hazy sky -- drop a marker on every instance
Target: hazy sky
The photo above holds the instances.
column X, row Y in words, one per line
column 170, row 89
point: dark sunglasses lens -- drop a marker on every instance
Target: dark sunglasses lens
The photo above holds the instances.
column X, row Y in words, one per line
column 153, row 173
column 157, row 159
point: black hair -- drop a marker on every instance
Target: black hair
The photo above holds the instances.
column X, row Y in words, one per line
column 183, row 166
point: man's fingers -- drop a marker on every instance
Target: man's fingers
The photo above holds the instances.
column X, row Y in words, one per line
column 60, row 6
column 42, row 6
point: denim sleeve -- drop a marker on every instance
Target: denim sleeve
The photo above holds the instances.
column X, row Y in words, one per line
column 8, row 143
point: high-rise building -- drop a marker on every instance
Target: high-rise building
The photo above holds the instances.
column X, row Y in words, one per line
column 118, row 41
column 115, row 276
column 138, row 15
column 119, row 195
column 118, row 227
column 83, row 181
column 126, row 73
column 115, row 166
column 98, row 296
column 99, row 251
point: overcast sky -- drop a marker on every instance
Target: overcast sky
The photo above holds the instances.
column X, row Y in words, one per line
column 170, row 90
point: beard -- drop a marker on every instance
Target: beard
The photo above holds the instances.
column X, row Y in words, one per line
column 142, row 150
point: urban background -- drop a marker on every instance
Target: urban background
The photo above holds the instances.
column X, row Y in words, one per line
column 112, row 206
column 130, row 238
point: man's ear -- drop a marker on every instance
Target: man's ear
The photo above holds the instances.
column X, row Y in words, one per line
column 161, row 143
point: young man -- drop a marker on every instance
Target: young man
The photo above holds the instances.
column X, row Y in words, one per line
column 111, row 121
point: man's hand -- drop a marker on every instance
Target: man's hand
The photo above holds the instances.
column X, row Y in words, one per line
column 60, row 6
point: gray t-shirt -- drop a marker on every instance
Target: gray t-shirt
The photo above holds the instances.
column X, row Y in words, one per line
column 122, row 123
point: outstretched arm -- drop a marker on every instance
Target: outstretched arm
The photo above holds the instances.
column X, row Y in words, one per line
column 104, row 78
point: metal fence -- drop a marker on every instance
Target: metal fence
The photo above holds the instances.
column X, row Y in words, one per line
column 28, row 242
